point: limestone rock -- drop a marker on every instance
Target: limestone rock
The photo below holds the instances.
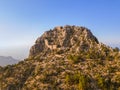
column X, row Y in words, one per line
column 72, row 37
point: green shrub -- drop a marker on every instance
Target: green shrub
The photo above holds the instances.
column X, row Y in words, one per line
column 82, row 81
column 116, row 49
column 110, row 58
column 74, row 58
column 104, row 83
column 72, row 79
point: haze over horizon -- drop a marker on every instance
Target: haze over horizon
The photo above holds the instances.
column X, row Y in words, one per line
column 23, row 21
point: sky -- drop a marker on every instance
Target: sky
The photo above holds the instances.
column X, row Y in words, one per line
column 23, row 21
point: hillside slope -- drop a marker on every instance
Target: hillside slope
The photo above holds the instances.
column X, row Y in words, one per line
column 65, row 58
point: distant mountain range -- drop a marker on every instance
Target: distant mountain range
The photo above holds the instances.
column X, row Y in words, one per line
column 7, row 60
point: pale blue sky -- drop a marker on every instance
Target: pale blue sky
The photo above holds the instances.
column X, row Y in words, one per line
column 22, row 21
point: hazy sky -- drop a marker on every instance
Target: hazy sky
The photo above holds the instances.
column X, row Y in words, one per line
column 23, row 21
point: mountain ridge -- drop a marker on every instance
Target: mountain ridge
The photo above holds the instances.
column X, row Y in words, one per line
column 7, row 60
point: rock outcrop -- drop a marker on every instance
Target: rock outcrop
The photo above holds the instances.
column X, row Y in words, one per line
column 72, row 37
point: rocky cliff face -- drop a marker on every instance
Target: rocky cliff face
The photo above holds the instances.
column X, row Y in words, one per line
column 61, row 38
column 65, row 58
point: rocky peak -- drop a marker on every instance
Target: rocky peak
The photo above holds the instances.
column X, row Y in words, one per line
column 65, row 58
column 64, row 37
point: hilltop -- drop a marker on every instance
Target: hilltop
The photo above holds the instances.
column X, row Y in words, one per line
column 65, row 58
